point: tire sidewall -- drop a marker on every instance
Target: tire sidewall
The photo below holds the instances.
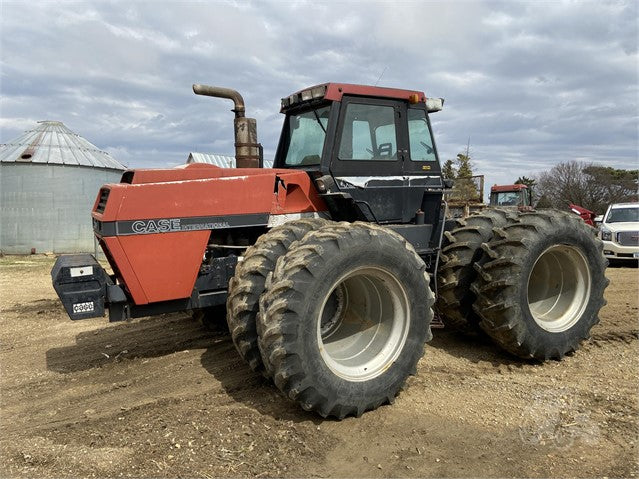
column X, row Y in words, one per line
column 573, row 237
column 327, row 272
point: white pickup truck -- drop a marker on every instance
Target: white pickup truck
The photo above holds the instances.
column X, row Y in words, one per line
column 620, row 231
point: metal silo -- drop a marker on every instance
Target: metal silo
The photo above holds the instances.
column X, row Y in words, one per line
column 223, row 161
column 49, row 179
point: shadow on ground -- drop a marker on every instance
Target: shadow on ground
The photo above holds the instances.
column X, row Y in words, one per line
column 147, row 338
column 250, row 388
column 164, row 335
column 476, row 349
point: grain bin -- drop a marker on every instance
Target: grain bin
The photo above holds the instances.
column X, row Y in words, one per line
column 49, row 179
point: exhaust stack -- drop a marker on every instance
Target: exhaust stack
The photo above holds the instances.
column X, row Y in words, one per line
column 248, row 152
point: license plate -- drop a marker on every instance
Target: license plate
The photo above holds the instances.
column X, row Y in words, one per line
column 635, row 255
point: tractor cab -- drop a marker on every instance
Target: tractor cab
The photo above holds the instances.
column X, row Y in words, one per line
column 370, row 150
column 510, row 195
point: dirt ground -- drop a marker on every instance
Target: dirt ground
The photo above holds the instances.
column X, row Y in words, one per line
column 162, row 397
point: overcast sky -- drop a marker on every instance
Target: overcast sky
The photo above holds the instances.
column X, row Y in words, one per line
column 530, row 83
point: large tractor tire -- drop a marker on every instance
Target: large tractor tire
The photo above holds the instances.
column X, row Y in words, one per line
column 540, row 291
column 247, row 285
column 461, row 248
column 345, row 317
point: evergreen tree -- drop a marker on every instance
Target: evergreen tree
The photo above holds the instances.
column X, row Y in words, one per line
column 465, row 188
column 464, row 166
column 524, row 180
column 448, row 170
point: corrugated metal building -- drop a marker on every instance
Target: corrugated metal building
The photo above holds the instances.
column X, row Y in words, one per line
column 222, row 161
column 49, row 179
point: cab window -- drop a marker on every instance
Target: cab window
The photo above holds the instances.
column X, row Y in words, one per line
column 368, row 133
column 307, row 133
column 420, row 139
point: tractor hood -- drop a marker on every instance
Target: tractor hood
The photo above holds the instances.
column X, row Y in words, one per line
column 202, row 190
column 168, row 216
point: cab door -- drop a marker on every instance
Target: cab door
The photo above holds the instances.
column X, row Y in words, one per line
column 421, row 169
column 368, row 156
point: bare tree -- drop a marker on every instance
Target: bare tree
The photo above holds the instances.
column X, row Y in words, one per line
column 591, row 186
column 610, row 185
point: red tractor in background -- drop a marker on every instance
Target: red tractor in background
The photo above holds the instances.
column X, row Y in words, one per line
column 511, row 195
column 519, row 196
column 501, row 196
column 328, row 264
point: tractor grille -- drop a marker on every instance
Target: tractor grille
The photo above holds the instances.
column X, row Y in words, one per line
column 102, row 201
column 628, row 238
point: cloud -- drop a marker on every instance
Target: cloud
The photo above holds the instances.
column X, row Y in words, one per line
column 531, row 84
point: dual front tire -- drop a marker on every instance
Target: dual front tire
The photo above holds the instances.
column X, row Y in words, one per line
column 249, row 282
column 343, row 319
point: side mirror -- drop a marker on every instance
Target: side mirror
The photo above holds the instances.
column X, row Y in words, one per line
column 448, row 183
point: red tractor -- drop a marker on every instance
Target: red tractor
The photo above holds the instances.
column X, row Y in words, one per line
column 326, row 264
column 511, row 196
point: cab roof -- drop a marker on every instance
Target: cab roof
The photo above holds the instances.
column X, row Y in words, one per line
column 502, row 188
column 335, row 91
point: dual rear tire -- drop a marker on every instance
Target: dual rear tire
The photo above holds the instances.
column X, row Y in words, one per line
column 461, row 249
column 541, row 285
column 533, row 281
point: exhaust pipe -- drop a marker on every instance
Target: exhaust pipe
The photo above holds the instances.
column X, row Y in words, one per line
column 248, row 152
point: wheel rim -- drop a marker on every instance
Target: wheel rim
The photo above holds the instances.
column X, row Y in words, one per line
column 364, row 322
column 559, row 288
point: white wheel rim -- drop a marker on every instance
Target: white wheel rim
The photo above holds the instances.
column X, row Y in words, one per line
column 363, row 335
column 559, row 288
